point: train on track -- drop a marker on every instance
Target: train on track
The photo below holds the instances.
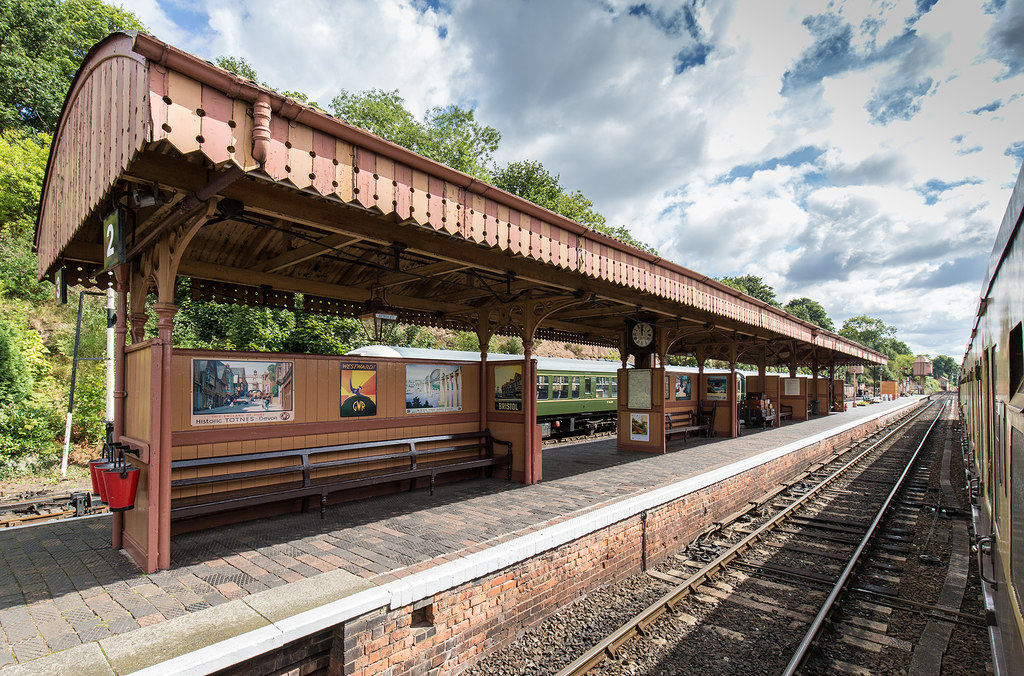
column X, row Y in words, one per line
column 991, row 398
column 574, row 396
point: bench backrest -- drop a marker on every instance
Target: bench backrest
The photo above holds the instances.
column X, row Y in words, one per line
column 410, row 450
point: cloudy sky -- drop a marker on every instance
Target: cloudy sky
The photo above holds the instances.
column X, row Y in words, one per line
column 858, row 153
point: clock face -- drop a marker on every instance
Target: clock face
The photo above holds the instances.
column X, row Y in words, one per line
column 643, row 334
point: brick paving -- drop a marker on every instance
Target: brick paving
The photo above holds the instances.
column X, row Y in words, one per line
column 61, row 584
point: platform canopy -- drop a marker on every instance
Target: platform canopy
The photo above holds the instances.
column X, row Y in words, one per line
column 202, row 174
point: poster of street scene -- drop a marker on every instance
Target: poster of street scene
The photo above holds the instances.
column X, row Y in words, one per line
column 358, row 389
column 508, row 388
column 433, row 388
column 230, row 392
column 718, row 387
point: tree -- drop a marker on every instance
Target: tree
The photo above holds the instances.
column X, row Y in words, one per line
column 752, row 285
column 810, row 311
column 22, row 166
column 450, row 135
column 875, row 334
column 242, row 68
column 531, row 181
column 945, row 367
column 42, row 44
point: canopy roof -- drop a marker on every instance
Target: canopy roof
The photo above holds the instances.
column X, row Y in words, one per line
column 257, row 198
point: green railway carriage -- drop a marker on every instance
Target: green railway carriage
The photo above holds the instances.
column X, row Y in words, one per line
column 576, row 396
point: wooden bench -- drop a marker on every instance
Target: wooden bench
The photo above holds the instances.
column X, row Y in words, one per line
column 682, row 422
column 395, row 460
column 785, row 412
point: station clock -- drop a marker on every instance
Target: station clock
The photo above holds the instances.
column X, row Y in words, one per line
column 641, row 337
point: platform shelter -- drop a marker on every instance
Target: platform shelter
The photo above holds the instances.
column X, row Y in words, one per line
column 165, row 167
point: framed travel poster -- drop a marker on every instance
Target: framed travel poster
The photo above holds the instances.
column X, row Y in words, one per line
column 358, row 389
column 239, row 392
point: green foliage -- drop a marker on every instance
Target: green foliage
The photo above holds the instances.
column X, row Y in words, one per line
column 945, row 367
column 42, row 44
column 449, row 135
column 317, row 334
column 15, row 380
column 810, row 311
column 531, row 181
column 22, row 165
column 754, row 286
column 875, row 334
column 243, row 68
column 879, row 336
column 238, row 66
column 31, row 422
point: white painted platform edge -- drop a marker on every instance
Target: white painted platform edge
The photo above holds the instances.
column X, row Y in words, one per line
column 451, row 574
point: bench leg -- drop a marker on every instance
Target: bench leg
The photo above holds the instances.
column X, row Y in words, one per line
column 323, row 505
column 431, row 483
column 305, row 504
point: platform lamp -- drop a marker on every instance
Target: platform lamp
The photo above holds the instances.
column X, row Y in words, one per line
column 379, row 320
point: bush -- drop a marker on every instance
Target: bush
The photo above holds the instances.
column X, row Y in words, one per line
column 30, row 437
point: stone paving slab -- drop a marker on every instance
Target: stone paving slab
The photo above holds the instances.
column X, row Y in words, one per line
column 62, row 588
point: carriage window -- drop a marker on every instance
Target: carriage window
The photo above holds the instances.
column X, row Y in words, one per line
column 602, row 387
column 668, row 391
column 560, row 387
column 615, row 387
column 588, row 386
column 542, row 387
column 575, row 387
column 1017, row 366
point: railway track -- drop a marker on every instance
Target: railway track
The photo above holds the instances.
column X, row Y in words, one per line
column 28, row 508
column 743, row 596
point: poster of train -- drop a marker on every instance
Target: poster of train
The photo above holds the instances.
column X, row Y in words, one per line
column 358, row 389
column 718, row 387
column 682, row 388
column 508, row 388
column 639, row 426
column 433, row 388
column 241, row 392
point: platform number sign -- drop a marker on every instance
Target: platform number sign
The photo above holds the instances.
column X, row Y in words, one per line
column 113, row 239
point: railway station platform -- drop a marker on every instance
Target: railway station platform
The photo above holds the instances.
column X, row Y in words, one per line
column 449, row 575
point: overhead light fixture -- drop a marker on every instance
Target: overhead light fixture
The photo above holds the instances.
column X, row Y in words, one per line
column 144, row 199
column 379, row 320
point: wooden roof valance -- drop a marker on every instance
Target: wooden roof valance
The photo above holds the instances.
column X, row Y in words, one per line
column 291, row 199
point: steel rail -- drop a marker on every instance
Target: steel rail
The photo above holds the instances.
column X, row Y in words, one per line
column 802, row 651
column 638, row 625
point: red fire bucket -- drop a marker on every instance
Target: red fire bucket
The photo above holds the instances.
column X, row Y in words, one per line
column 121, row 484
column 96, row 469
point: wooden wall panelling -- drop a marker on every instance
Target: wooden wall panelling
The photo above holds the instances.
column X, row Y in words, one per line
column 366, row 166
column 420, row 202
column 277, row 152
column 344, row 174
column 186, row 97
column 241, row 136
column 435, row 202
column 384, row 194
column 213, row 127
column 323, row 163
column 403, row 191
column 300, row 161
